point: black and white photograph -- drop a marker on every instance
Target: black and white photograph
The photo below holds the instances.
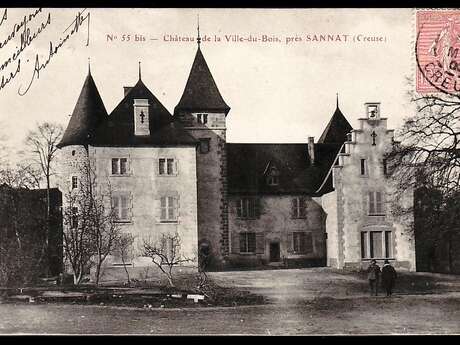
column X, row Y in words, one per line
column 229, row 171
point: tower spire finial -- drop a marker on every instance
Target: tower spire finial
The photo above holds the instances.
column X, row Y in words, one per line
column 89, row 66
column 198, row 39
column 337, row 99
column 139, row 70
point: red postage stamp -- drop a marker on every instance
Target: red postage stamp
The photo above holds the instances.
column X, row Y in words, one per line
column 437, row 51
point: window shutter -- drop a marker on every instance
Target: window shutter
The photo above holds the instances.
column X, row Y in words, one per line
column 243, row 243
column 161, row 166
column 238, row 208
column 114, row 166
column 163, row 208
column 384, row 203
column 294, row 208
column 256, row 207
column 235, row 243
column 176, row 207
column 290, row 242
column 171, row 208
column 303, row 207
column 124, row 206
column 371, row 203
column 176, row 167
column 260, row 243
column 308, row 242
column 116, row 206
column 378, row 202
column 130, row 206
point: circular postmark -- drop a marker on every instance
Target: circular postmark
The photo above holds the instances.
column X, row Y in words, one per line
column 437, row 52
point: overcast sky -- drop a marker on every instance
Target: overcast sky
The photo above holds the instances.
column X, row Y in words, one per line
column 277, row 92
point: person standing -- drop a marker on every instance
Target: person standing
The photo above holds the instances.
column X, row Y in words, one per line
column 373, row 272
column 388, row 277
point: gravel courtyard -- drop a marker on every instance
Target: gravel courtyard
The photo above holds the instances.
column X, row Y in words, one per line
column 302, row 301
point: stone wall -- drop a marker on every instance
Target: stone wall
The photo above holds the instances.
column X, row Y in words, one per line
column 276, row 223
column 145, row 187
column 352, row 188
column 211, row 185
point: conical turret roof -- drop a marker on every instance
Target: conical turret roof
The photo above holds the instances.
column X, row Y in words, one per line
column 337, row 129
column 201, row 92
column 88, row 113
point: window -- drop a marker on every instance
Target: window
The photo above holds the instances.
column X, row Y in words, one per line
column 204, row 145
column 247, row 242
column 363, row 167
column 376, row 204
column 372, row 110
column 272, row 180
column 349, row 137
column 301, row 242
column 119, row 166
column 73, row 152
column 298, row 208
column 202, row 118
column 385, row 167
column 168, row 209
column 376, row 245
column 273, row 177
column 74, row 218
column 120, row 204
column 74, row 182
column 247, row 208
column 167, row 166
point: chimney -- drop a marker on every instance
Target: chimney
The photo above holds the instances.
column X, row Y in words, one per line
column 311, row 149
column 126, row 89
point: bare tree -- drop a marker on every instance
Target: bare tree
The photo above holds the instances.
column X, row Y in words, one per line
column 20, row 176
column 123, row 249
column 77, row 242
column 427, row 160
column 165, row 253
column 92, row 232
column 429, row 147
column 42, row 142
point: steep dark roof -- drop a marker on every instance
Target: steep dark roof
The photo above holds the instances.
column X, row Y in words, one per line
column 88, row 113
column 201, row 92
column 248, row 162
column 337, row 129
column 118, row 128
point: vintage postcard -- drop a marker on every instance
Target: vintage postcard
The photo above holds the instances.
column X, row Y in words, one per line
column 229, row 171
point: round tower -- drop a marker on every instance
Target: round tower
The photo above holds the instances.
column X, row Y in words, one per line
column 203, row 111
column 73, row 148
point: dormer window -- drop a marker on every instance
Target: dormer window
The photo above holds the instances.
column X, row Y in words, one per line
column 273, row 177
column 141, row 117
column 373, row 111
column 202, row 118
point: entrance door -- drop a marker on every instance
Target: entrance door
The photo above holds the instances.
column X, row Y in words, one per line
column 274, row 252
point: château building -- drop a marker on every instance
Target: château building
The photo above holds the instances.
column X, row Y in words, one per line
column 245, row 205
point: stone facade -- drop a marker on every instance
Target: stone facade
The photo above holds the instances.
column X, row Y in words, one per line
column 308, row 204
column 144, row 188
column 211, row 182
column 361, row 224
column 274, row 227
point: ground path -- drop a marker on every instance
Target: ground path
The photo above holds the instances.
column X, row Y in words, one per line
column 304, row 301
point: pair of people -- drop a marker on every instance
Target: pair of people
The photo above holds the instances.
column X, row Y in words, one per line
column 388, row 277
